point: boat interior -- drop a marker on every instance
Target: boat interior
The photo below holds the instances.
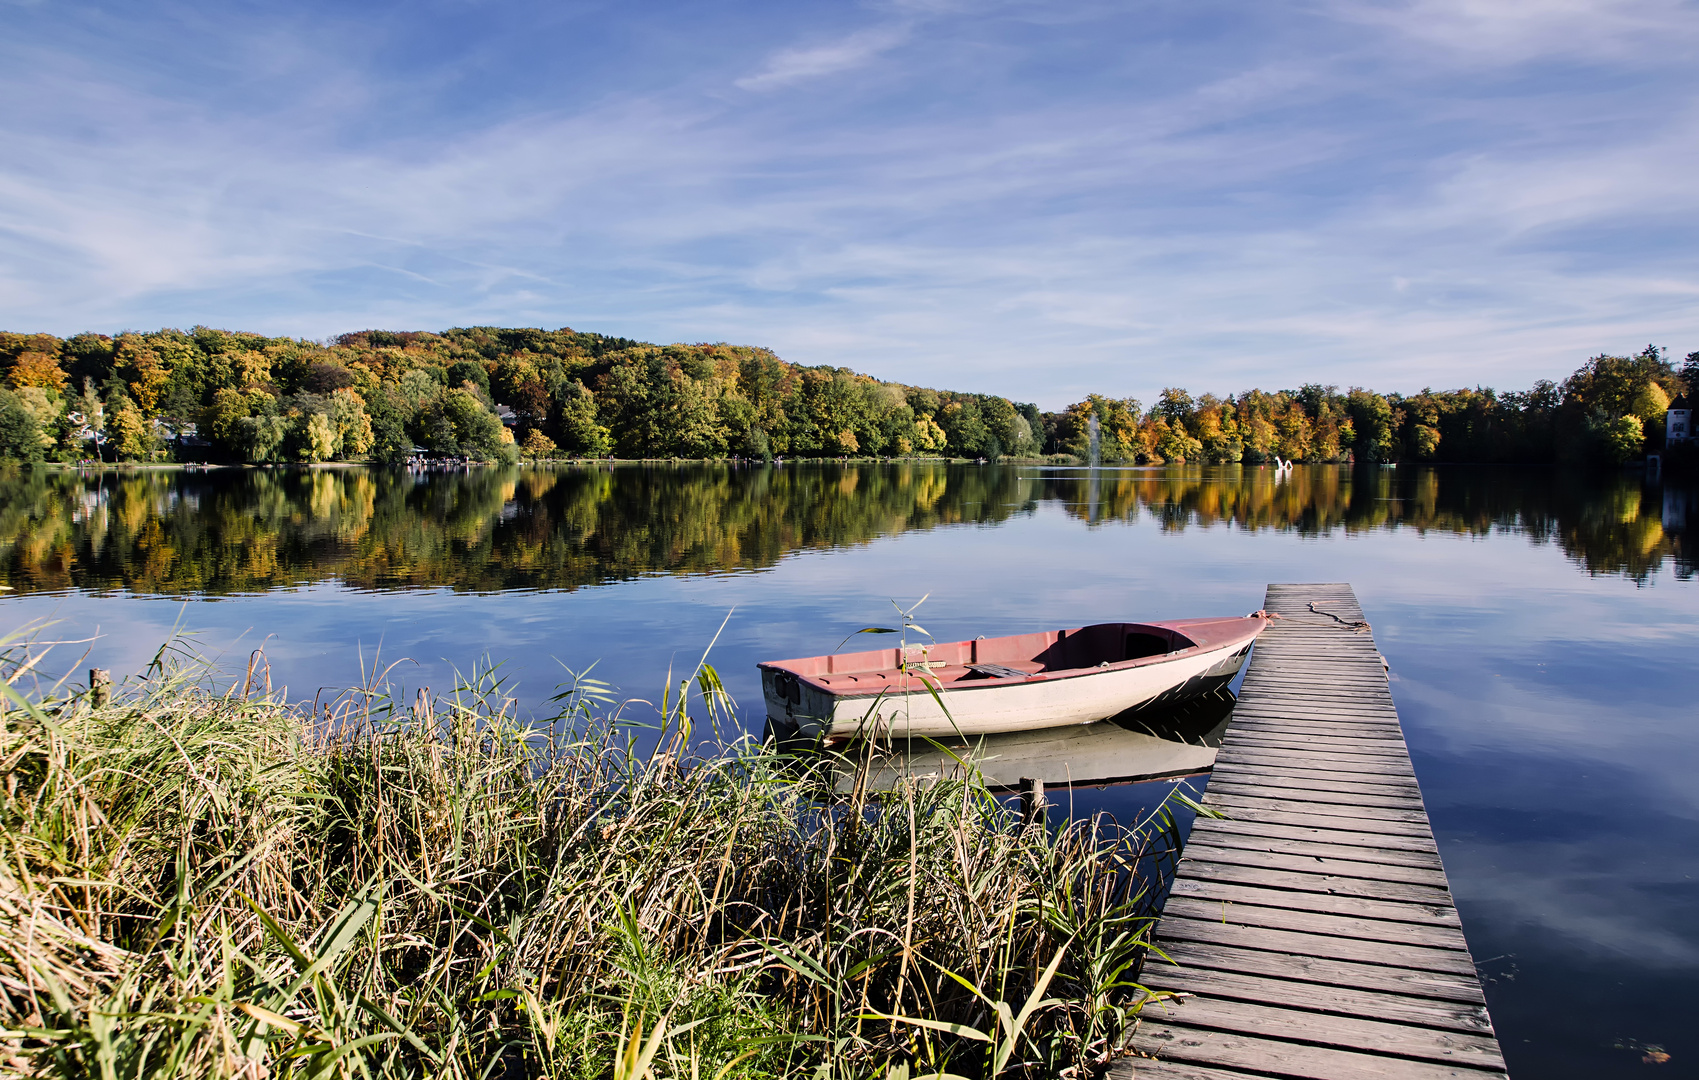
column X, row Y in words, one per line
column 1017, row 656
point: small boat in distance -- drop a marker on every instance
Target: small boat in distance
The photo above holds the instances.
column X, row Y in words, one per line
column 1018, row 683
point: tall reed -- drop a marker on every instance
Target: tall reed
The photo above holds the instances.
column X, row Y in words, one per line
column 199, row 880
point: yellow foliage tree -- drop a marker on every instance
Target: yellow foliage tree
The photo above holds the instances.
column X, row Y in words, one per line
column 128, row 432
column 38, row 369
column 35, row 400
column 319, row 443
column 928, row 434
column 142, row 370
column 1650, row 404
column 353, row 426
column 538, row 445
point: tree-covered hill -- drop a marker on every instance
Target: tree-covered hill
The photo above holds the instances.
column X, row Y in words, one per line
column 379, row 393
column 495, row 394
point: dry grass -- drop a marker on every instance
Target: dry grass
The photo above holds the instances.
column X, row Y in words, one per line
column 200, row 881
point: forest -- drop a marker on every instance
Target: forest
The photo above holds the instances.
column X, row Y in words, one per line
column 492, row 394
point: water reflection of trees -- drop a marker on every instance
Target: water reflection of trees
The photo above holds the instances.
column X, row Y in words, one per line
column 488, row 529
column 492, row 529
column 1607, row 523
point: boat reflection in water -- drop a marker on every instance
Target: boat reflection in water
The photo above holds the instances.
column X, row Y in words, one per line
column 1152, row 745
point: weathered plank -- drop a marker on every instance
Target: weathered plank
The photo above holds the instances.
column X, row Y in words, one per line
column 1311, row 927
column 1310, row 735
column 1299, row 695
column 1324, row 849
column 1264, row 877
column 1279, row 918
column 1390, row 759
column 1344, row 716
column 1244, row 806
column 1325, row 946
column 1325, row 749
column 1413, row 982
column 1335, row 738
column 1300, row 791
column 1324, row 1029
column 1342, row 837
column 1341, row 739
column 1346, row 1001
column 1149, row 1069
column 1320, row 776
column 1301, row 900
column 1396, row 777
column 1337, row 865
column 1290, row 1059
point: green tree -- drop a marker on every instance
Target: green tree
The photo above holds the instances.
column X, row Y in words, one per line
column 579, row 430
column 1174, row 443
column 261, row 435
column 1613, row 384
column 312, row 437
column 221, row 421
column 20, row 434
column 390, row 441
column 624, row 406
column 1373, row 424
column 1175, row 406
column 462, row 372
column 964, row 427
column 1621, row 439
column 353, row 427
column 477, row 431
column 46, row 411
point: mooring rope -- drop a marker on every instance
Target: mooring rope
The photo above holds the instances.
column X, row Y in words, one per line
column 1358, row 625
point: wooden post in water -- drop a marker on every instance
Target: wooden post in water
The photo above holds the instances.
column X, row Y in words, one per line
column 99, row 686
column 1032, row 800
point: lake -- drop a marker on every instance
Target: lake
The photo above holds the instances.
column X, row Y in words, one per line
column 1542, row 629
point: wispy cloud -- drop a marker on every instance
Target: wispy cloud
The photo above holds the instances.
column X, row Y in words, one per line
column 1516, row 31
column 847, row 53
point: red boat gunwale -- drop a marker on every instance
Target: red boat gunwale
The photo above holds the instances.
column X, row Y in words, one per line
column 1042, row 657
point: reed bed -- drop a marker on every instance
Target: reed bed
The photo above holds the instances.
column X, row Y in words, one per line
column 200, row 879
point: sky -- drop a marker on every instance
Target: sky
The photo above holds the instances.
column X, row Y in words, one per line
column 1038, row 200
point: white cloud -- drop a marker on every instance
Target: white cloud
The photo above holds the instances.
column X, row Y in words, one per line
column 856, row 50
column 1516, row 31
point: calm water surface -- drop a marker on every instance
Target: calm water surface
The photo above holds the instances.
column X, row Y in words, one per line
column 1542, row 630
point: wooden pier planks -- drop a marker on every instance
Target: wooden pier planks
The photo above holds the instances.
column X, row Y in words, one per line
column 1313, row 927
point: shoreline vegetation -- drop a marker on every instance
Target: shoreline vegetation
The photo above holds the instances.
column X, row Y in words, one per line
column 203, row 879
column 500, row 395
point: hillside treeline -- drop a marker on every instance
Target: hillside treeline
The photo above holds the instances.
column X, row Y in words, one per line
column 496, row 394
column 1609, row 411
column 375, row 394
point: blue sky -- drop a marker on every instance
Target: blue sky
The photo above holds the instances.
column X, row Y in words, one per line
column 1030, row 199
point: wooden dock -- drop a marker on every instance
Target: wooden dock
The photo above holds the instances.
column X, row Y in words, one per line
column 1312, row 926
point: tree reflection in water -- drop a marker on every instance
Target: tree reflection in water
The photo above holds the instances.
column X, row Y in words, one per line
column 494, row 529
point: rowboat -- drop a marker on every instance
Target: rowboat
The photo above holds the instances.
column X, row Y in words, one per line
column 1022, row 682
